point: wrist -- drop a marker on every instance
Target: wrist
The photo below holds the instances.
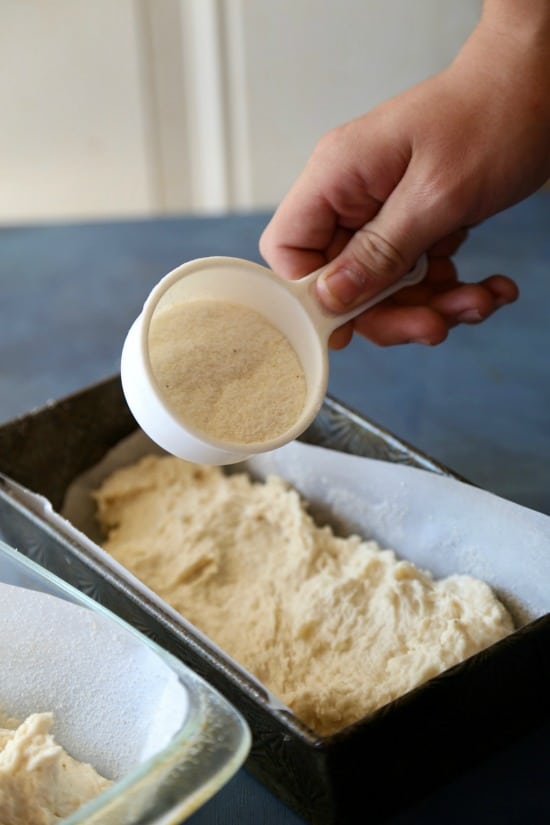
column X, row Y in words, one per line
column 510, row 49
column 525, row 22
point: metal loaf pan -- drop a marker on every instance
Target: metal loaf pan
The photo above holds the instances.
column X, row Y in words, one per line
column 389, row 759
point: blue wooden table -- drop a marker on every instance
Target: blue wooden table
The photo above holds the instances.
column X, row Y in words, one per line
column 480, row 403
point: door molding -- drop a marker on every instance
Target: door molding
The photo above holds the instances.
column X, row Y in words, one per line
column 194, row 104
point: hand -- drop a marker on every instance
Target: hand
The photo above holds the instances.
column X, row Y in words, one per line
column 410, row 177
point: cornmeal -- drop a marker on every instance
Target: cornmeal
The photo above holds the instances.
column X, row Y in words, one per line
column 334, row 627
column 40, row 784
column 226, row 371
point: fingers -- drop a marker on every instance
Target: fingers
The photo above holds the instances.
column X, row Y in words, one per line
column 468, row 303
column 329, row 201
column 504, row 289
column 292, row 263
column 364, row 210
column 409, row 222
column 446, row 247
column 399, row 320
column 296, row 239
column 365, row 267
column 341, row 337
column 387, row 325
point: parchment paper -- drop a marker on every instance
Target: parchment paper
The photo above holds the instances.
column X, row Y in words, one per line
column 442, row 525
column 116, row 702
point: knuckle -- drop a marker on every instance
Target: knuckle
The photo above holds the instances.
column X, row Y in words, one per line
column 449, row 195
column 375, row 254
column 265, row 243
column 330, row 144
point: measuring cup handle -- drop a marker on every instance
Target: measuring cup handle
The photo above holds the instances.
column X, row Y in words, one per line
column 326, row 320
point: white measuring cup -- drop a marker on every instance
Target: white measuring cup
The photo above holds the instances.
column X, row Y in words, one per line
column 293, row 307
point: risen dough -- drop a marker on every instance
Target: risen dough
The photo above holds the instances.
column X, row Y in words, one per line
column 40, row 784
column 335, row 627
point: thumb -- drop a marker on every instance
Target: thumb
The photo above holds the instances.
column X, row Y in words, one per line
column 383, row 250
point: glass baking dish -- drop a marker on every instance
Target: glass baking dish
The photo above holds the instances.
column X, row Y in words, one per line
column 167, row 739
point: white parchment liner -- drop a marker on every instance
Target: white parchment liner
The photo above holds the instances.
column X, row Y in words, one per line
column 440, row 524
column 116, row 702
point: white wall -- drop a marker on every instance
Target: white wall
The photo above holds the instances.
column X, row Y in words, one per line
column 155, row 106
column 311, row 65
column 72, row 135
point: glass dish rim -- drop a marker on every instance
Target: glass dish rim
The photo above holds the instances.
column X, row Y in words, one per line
column 177, row 749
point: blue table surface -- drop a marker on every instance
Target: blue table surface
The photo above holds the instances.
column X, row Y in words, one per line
column 479, row 403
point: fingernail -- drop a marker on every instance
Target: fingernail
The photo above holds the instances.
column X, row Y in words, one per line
column 342, row 286
column 470, row 316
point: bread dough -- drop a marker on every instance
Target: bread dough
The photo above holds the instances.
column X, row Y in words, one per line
column 40, row 784
column 334, row 627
